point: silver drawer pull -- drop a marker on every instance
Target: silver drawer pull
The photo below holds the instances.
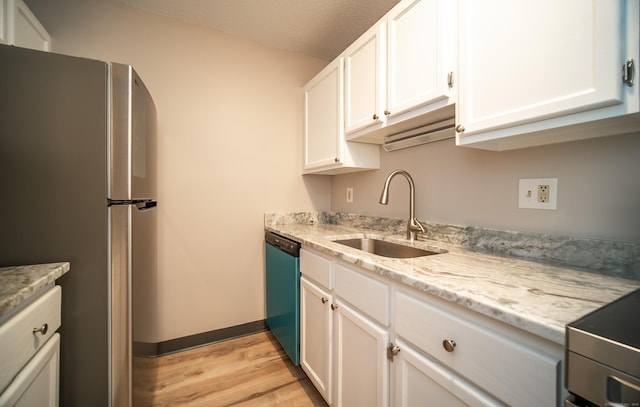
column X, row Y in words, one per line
column 449, row 345
column 43, row 329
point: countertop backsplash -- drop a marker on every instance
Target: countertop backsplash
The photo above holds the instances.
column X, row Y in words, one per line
column 617, row 259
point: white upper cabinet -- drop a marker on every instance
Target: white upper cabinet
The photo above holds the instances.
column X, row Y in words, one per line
column 325, row 149
column 400, row 70
column 323, row 117
column 18, row 26
column 420, row 55
column 365, row 88
column 531, row 66
column 518, row 74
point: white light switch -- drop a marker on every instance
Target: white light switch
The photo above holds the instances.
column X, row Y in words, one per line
column 350, row 195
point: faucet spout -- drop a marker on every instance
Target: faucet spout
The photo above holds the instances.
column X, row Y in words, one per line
column 413, row 225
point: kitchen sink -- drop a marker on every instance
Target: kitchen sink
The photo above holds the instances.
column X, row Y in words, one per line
column 386, row 249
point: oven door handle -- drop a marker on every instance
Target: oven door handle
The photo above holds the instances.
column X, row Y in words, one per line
column 617, row 387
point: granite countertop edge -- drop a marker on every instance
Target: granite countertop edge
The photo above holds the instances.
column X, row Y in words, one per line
column 19, row 283
column 537, row 298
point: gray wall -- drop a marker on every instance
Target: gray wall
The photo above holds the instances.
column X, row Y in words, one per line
column 598, row 187
column 229, row 143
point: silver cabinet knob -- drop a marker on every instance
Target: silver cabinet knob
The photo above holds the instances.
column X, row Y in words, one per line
column 460, row 128
column 42, row 330
column 449, row 345
column 334, row 306
column 629, row 73
column 324, row 300
column 392, row 350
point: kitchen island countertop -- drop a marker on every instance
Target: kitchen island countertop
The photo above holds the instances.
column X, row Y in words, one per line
column 535, row 297
column 19, row 283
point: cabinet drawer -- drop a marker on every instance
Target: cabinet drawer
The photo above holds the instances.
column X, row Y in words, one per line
column 18, row 342
column 316, row 268
column 490, row 355
column 363, row 292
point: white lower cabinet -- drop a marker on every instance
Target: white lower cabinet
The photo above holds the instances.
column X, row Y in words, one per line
column 37, row 383
column 419, row 381
column 514, row 367
column 362, row 368
column 370, row 341
column 342, row 348
column 316, row 332
column 30, row 352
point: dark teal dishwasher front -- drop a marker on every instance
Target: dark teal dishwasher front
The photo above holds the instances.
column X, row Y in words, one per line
column 283, row 292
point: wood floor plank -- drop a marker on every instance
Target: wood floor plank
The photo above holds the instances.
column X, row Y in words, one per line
column 249, row 371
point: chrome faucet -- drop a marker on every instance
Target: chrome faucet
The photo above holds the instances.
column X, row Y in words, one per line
column 413, row 225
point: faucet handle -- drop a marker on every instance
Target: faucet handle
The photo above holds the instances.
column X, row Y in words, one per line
column 418, row 226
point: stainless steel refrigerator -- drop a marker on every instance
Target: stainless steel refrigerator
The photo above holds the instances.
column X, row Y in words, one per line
column 78, row 184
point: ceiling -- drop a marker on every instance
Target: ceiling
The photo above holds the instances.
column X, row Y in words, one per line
column 316, row 28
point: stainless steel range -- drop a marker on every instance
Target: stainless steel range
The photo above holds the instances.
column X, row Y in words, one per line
column 603, row 356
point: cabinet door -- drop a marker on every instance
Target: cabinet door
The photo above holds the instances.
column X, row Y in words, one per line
column 522, row 62
column 419, row 381
column 362, row 367
column 323, row 132
column 18, row 26
column 364, row 80
column 3, row 22
column 37, row 383
column 316, row 331
column 420, row 53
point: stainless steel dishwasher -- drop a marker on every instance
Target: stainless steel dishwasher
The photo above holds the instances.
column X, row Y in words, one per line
column 282, row 259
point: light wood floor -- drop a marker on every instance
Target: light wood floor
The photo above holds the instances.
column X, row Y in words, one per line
column 248, row 371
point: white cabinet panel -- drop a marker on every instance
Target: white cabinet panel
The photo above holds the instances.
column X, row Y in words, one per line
column 18, row 342
column 420, row 381
column 364, row 80
column 325, row 149
column 18, row 26
column 420, row 54
column 323, row 117
column 362, row 368
column 538, row 65
column 37, row 383
column 316, row 332
column 503, row 365
column 316, row 267
column 369, row 295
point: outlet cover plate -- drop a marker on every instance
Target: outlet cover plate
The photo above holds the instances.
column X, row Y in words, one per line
column 529, row 189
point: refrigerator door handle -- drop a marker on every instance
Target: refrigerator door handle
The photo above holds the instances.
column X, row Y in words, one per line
column 141, row 204
column 146, row 204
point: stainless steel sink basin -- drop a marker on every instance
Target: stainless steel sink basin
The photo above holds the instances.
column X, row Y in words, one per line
column 385, row 248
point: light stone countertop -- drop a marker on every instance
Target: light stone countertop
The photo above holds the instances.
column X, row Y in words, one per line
column 535, row 297
column 19, row 283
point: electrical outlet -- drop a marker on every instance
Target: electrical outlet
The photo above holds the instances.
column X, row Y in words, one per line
column 538, row 193
column 349, row 195
column 543, row 193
